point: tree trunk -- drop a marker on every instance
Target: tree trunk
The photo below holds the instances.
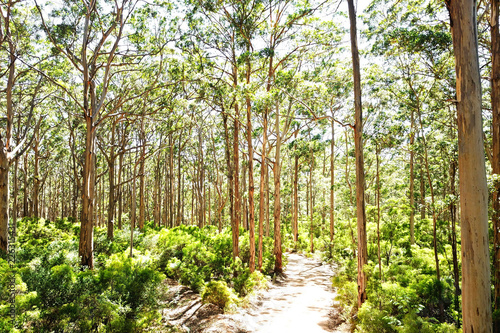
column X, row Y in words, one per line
column 495, row 160
column 476, row 290
column 360, row 173
column 86, row 245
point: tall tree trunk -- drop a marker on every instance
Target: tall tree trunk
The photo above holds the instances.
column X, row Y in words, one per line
column 360, row 173
column 476, row 290
column 495, row 160
column 86, row 245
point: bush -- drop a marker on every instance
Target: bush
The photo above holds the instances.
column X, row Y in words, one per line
column 218, row 293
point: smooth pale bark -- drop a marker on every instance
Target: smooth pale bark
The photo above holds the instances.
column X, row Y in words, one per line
column 476, row 290
column 495, row 151
column 360, row 173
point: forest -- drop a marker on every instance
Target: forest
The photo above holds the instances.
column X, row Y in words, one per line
column 153, row 148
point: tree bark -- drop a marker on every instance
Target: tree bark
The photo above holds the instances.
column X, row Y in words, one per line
column 360, row 173
column 495, row 154
column 476, row 290
column 86, row 244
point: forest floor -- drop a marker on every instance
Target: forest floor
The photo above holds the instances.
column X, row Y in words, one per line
column 303, row 301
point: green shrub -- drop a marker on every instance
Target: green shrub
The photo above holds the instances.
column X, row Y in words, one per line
column 218, row 293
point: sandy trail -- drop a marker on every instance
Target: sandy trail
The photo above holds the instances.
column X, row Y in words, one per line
column 302, row 302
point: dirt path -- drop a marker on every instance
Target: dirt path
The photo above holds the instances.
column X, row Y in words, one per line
column 302, row 302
